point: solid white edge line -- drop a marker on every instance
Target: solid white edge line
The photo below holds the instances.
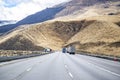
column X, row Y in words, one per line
column 116, row 74
column 108, row 71
column 70, row 74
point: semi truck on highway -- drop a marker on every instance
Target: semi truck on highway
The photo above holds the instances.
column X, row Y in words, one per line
column 71, row 49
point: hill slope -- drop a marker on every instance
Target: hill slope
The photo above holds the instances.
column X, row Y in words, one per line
column 60, row 10
column 97, row 30
column 91, row 35
column 99, row 37
column 47, row 35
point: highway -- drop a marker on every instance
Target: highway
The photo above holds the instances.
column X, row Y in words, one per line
column 60, row 66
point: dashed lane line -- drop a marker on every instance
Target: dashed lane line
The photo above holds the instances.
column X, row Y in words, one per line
column 28, row 69
column 70, row 74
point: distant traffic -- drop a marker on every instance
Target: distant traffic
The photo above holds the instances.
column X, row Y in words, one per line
column 70, row 49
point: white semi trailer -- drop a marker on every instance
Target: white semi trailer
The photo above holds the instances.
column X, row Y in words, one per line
column 71, row 49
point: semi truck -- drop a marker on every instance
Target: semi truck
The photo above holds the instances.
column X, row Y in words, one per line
column 71, row 49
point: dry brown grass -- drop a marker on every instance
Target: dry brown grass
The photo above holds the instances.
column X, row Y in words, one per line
column 92, row 29
column 93, row 36
column 19, row 42
column 9, row 53
column 98, row 31
column 99, row 37
column 45, row 35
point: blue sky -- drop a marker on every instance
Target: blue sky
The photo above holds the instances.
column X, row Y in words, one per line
column 19, row 9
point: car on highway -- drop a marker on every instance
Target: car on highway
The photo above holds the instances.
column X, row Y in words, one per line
column 64, row 50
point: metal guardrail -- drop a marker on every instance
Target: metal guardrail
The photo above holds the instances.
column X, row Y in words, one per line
column 9, row 58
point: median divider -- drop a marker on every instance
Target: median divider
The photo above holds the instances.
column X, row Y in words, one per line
column 21, row 56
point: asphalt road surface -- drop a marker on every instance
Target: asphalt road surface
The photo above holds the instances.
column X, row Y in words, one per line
column 60, row 66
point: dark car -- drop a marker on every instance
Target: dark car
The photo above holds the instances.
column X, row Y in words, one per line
column 64, row 50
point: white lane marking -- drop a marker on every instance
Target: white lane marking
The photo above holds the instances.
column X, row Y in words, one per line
column 70, row 75
column 116, row 74
column 28, row 69
column 66, row 66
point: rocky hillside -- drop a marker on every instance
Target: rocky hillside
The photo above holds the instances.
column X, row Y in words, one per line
column 47, row 35
column 97, row 30
column 99, row 37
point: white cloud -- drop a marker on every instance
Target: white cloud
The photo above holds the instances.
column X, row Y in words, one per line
column 18, row 9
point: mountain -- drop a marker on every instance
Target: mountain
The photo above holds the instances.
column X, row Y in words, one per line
column 6, row 22
column 56, row 34
column 47, row 35
column 41, row 16
column 54, row 12
column 99, row 37
column 94, row 28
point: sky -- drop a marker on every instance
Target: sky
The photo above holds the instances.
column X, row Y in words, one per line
column 19, row 9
